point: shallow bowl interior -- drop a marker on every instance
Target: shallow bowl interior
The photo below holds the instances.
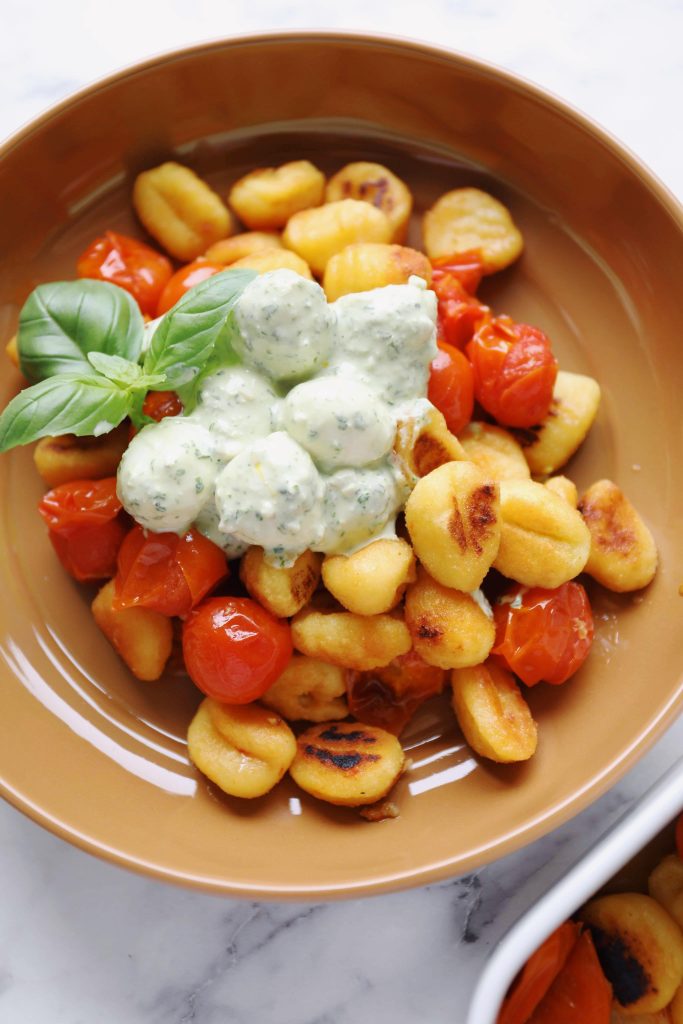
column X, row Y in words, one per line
column 100, row 758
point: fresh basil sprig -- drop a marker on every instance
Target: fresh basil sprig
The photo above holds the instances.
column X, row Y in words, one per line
column 195, row 328
column 81, row 341
column 62, row 322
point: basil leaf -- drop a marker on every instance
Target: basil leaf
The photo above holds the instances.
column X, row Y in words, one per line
column 123, row 371
column 64, row 404
column 64, row 320
column 223, row 354
column 189, row 333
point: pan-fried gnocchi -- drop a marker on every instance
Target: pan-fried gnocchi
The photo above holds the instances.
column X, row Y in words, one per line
column 318, row 511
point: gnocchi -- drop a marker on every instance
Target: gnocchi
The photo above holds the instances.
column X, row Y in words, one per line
column 469, row 220
column 309, row 690
column 265, row 199
column 283, row 591
column 180, row 210
column 492, row 713
column 354, row 641
column 319, row 234
column 372, row 580
column 449, row 629
column 61, row 459
column 623, row 554
column 367, row 265
column 375, row 184
column 243, row 748
column 143, row 638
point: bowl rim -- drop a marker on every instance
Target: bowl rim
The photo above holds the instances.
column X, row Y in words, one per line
column 541, row 823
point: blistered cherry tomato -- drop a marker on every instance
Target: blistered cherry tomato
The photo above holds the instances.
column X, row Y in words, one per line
column 543, row 635
column 129, row 264
column 451, row 387
column 165, row 572
column 184, row 279
column 467, row 267
column 388, row 697
column 580, row 992
column 538, row 974
column 234, row 649
column 160, row 404
column 85, row 526
column 514, row 371
column 459, row 313
column 679, row 836
column 80, row 503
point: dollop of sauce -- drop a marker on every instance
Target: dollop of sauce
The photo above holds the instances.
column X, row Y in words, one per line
column 292, row 449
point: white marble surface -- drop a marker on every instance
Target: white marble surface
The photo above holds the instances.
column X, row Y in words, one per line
column 82, row 941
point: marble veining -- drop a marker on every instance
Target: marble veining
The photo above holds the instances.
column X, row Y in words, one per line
column 82, row 941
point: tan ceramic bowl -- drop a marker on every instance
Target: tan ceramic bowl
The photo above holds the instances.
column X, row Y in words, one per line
column 100, row 758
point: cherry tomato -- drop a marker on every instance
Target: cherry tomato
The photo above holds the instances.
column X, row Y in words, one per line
column 234, row 649
column 85, row 527
column 130, row 264
column 184, row 279
column 165, row 572
column 89, row 552
column 80, row 503
column 580, row 992
column 451, row 387
column 388, row 697
column 160, row 404
column 455, row 279
column 467, row 267
column 514, row 371
column 543, row 634
column 538, row 974
column 679, row 836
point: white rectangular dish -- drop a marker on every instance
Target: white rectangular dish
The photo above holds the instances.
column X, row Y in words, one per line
column 629, row 835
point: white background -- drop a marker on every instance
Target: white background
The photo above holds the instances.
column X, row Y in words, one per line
column 81, row 941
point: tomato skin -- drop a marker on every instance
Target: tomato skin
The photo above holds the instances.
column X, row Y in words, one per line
column 679, row 836
column 89, row 552
column 451, row 387
column 543, row 635
column 467, row 267
column 85, row 527
column 580, row 992
column 538, row 974
column 184, row 279
column 130, row 264
column 455, row 279
column 388, row 697
column 514, row 371
column 234, row 649
column 165, row 572
column 80, row 503
column 160, row 404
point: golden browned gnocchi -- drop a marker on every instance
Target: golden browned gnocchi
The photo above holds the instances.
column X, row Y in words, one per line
column 623, row 554
column 453, row 520
column 375, row 184
column 244, row 748
column 543, row 541
column 180, row 210
column 142, row 637
column 495, row 451
column 352, row 641
column 283, row 591
column 576, row 399
column 492, row 713
column 265, row 260
column 229, row 250
column 367, row 265
column 469, row 220
column 640, row 931
column 309, row 690
column 347, row 763
column 372, row 580
column 449, row 629
column 564, row 488
column 424, row 443
column 65, row 458
column 266, row 198
column 317, row 235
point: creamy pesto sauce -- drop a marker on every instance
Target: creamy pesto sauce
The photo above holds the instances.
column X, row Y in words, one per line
column 293, row 449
